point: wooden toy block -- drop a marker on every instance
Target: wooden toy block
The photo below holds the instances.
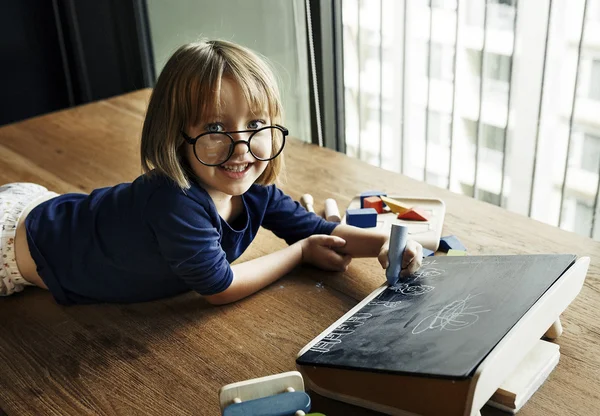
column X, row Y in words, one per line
column 275, row 395
column 363, row 217
column 308, row 202
column 332, row 213
column 414, row 214
column 451, row 242
column 427, row 252
column 453, row 252
column 395, row 206
column 374, row 202
column 367, row 194
column 531, row 373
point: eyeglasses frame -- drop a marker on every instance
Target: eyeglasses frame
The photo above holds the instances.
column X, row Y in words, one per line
column 192, row 141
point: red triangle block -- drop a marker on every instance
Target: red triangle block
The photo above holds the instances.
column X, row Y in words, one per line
column 414, row 214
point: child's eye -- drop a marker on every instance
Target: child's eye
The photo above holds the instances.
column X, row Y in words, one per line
column 256, row 124
column 214, row 127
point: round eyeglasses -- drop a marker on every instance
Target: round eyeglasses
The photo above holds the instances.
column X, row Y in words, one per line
column 215, row 148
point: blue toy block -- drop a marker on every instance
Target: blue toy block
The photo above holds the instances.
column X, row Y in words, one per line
column 284, row 404
column 427, row 252
column 362, row 217
column 451, row 242
column 368, row 194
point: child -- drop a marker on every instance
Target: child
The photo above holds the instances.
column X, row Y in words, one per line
column 211, row 151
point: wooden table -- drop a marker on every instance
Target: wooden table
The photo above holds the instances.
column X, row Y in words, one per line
column 172, row 356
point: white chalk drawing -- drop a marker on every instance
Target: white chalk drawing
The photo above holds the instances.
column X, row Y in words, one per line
column 385, row 303
column 428, row 262
column 335, row 337
column 453, row 317
column 428, row 272
column 412, row 290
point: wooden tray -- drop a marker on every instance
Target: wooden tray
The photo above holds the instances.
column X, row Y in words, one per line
column 428, row 233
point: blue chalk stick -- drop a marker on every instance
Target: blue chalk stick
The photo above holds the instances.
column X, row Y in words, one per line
column 283, row 404
column 427, row 252
column 363, row 217
column 451, row 242
column 368, row 194
column 398, row 237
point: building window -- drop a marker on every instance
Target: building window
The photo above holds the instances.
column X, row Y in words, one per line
column 443, row 4
column 475, row 13
column 590, row 158
column 442, row 62
column 438, row 128
column 492, row 137
column 482, row 194
column 583, row 218
column 496, row 67
column 510, row 3
column 594, row 93
column 500, row 14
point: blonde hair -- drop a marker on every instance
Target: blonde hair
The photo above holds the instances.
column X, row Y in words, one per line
column 188, row 90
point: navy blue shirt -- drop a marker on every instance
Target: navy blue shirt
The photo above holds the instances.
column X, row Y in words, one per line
column 149, row 239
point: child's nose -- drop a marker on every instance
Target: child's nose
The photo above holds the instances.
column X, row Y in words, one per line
column 240, row 147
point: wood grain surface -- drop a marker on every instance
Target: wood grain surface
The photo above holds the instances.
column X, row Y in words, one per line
column 172, row 356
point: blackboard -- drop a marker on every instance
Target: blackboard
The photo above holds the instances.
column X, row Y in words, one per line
column 443, row 320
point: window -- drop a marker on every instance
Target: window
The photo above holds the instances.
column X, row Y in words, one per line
column 442, row 61
column 595, row 79
column 500, row 14
column 482, row 194
column 491, row 137
column 590, row 158
column 583, row 218
column 438, row 128
column 443, row 4
column 497, row 67
column 475, row 13
column 510, row 3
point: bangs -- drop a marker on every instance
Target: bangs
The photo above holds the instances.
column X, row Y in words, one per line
column 256, row 83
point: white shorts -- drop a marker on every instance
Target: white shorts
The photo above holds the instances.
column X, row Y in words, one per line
column 15, row 199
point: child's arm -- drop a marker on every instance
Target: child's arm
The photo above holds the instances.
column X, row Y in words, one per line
column 362, row 242
column 251, row 276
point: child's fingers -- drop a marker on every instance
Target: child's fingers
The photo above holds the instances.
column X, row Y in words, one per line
column 410, row 252
column 337, row 262
column 383, row 256
column 416, row 262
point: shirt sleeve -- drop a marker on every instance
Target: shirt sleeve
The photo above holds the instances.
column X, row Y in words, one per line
column 290, row 221
column 189, row 242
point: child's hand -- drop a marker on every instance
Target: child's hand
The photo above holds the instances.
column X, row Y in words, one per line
column 319, row 250
column 411, row 260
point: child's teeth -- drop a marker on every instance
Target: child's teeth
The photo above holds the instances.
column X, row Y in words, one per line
column 239, row 168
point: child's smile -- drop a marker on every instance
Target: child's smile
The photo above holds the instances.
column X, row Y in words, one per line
column 236, row 171
column 242, row 169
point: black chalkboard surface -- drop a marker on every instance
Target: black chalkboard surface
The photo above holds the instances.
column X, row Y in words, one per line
column 443, row 320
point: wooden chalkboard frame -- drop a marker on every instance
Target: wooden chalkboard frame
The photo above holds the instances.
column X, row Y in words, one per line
column 496, row 367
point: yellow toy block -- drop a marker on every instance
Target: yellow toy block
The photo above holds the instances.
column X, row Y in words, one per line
column 452, row 252
column 395, row 206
